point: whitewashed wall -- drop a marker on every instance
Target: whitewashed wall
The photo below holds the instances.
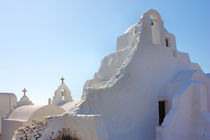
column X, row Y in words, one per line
column 188, row 118
column 85, row 127
column 7, row 102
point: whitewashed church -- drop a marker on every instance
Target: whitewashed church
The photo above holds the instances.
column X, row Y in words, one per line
column 146, row 90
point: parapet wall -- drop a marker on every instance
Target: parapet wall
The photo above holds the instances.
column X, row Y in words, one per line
column 78, row 127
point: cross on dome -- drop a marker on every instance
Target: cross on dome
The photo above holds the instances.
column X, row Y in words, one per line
column 62, row 79
column 24, row 91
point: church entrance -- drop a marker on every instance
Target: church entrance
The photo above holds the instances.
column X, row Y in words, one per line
column 162, row 112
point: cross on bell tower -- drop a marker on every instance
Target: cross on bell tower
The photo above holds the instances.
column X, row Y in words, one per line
column 62, row 79
column 24, row 91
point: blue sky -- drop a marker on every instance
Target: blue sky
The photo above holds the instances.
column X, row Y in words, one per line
column 43, row 40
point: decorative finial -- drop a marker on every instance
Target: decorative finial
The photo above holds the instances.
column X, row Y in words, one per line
column 24, row 91
column 62, row 79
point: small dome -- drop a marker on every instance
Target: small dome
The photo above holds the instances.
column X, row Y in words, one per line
column 24, row 101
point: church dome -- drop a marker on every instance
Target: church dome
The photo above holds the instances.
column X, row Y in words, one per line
column 24, row 101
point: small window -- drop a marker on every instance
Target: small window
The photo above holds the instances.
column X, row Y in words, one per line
column 166, row 42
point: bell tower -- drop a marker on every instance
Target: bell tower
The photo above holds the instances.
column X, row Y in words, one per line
column 62, row 94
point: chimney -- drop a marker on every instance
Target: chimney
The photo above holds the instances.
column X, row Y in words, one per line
column 49, row 101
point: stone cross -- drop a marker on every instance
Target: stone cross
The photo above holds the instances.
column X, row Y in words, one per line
column 24, row 91
column 62, row 79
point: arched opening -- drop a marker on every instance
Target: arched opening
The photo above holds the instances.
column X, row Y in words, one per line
column 152, row 20
column 155, row 28
column 62, row 94
column 166, row 40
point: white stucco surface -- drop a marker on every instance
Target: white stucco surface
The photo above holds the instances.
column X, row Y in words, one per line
column 146, row 69
column 87, row 127
column 128, row 98
column 188, row 106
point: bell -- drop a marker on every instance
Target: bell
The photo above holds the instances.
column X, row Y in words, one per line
column 152, row 23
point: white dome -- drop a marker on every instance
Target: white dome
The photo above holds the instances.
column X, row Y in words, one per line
column 24, row 101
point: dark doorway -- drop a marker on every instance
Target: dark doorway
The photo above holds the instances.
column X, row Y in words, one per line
column 161, row 105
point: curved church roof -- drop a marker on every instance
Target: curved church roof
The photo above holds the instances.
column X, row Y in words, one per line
column 30, row 112
column 24, row 112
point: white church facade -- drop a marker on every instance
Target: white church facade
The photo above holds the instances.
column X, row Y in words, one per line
column 146, row 90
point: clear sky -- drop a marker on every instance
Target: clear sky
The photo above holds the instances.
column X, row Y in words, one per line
column 43, row 40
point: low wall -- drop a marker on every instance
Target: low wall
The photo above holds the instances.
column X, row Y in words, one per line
column 83, row 127
column 78, row 127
